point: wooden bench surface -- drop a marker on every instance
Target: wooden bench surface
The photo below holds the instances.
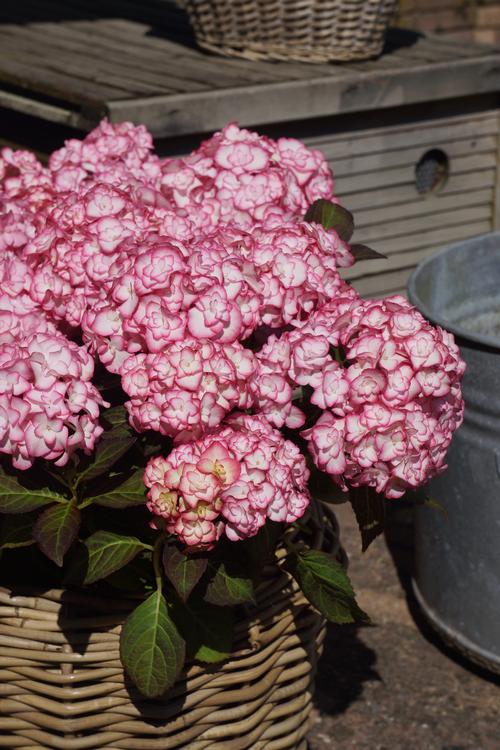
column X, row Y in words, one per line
column 76, row 61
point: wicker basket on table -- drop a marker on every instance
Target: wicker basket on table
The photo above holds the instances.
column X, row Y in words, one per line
column 62, row 684
column 302, row 30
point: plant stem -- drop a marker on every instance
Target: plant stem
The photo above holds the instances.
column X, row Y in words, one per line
column 157, row 564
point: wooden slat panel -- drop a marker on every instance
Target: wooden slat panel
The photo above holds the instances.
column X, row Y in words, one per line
column 441, row 236
column 389, row 159
column 404, row 175
column 402, row 260
column 376, row 235
column 383, row 284
column 424, row 208
column 393, row 196
column 389, row 292
column 418, row 133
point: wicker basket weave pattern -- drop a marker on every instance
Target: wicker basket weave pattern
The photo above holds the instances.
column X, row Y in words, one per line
column 62, row 684
column 302, row 30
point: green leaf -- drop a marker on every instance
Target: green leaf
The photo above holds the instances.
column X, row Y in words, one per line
column 116, row 416
column 230, row 585
column 130, row 492
column 207, row 629
column 331, row 216
column 17, row 531
column 183, row 571
column 151, row 649
column 369, row 509
column 19, row 494
column 326, row 585
column 56, row 529
column 108, row 552
column 363, row 252
column 113, row 445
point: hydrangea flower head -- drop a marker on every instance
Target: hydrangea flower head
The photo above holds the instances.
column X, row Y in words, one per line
column 229, row 482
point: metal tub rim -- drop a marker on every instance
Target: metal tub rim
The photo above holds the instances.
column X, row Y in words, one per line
column 492, row 342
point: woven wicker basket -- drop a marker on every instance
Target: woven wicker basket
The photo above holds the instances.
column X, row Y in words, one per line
column 302, row 30
column 62, row 685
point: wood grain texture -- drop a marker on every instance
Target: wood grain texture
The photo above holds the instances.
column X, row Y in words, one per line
column 138, row 61
column 376, row 180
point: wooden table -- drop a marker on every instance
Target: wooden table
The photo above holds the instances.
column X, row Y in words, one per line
column 75, row 61
column 68, row 63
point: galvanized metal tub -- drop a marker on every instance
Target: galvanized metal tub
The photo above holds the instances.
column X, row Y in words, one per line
column 457, row 567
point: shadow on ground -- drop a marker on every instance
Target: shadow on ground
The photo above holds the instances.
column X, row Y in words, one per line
column 347, row 663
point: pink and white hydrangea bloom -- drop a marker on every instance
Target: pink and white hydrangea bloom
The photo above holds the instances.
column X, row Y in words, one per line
column 392, row 408
column 48, row 406
column 198, row 282
column 188, row 388
column 229, row 482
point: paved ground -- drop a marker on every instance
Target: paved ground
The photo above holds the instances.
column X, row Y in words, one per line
column 394, row 686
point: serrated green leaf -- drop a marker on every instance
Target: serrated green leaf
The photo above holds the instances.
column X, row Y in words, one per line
column 363, row 252
column 130, row 492
column 56, row 529
column 17, row 531
column 207, row 629
column 151, row 649
column 229, row 585
column 19, row 494
column 108, row 552
column 331, row 216
column 183, row 571
column 112, row 446
column 326, row 585
column 369, row 509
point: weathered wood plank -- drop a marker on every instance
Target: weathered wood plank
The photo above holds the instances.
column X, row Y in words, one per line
column 139, row 35
column 496, row 203
column 185, row 113
column 377, row 235
column 180, row 70
column 393, row 196
column 389, row 159
column 400, row 260
column 425, row 208
column 83, row 66
column 403, row 175
column 418, row 133
column 53, row 42
column 54, row 83
column 439, row 237
column 44, row 111
column 383, row 284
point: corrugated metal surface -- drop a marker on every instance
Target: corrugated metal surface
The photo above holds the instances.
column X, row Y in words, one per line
column 375, row 177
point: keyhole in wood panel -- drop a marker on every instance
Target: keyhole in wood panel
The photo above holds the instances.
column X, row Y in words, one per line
column 431, row 171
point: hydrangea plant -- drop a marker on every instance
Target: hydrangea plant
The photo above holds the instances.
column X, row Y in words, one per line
column 181, row 364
